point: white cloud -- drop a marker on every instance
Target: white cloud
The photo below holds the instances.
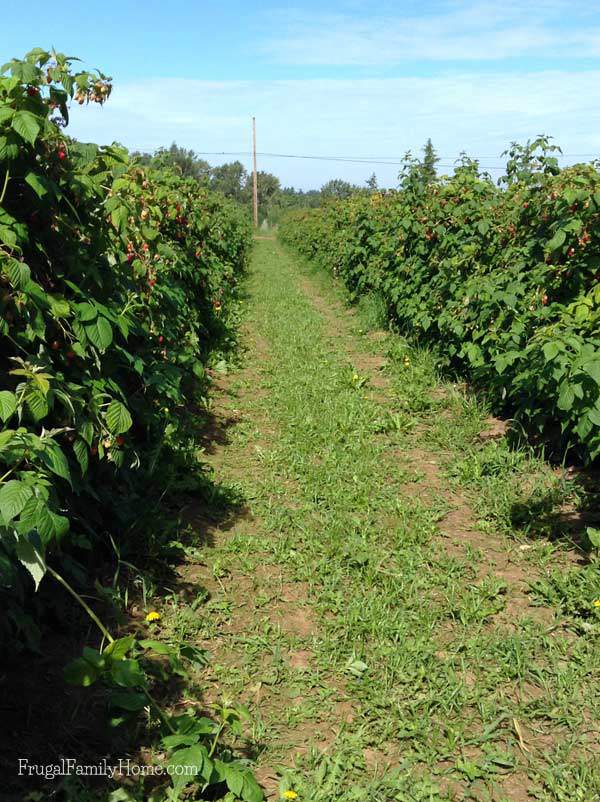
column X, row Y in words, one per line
column 459, row 32
column 369, row 117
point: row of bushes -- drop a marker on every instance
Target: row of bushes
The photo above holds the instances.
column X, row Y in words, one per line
column 115, row 283
column 502, row 282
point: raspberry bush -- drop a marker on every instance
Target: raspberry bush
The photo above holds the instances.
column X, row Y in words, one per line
column 115, row 283
column 504, row 283
column 116, row 290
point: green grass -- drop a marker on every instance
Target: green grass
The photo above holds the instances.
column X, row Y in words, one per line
column 451, row 695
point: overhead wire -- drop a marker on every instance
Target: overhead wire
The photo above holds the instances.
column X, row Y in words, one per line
column 442, row 161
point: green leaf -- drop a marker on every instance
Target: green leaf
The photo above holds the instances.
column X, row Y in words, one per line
column 86, row 431
column 593, row 536
column 566, row 396
column 31, row 558
column 86, row 312
column 26, row 125
column 551, row 350
column 81, row 672
column 38, row 183
column 193, row 761
column 356, row 667
column 36, row 516
column 594, row 415
column 128, row 700
column 240, row 781
column 61, row 525
column 119, row 218
column 14, row 495
column 233, row 777
column 593, row 370
column 9, row 147
column 99, row 333
column 127, row 674
column 36, row 403
column 8, row 405
column 59, row 306
column 6, row 113
column 557, row 240
column 118, row 649
column 251, row 792
column 55, row 460
column 94, row 657
column 8, row 236
column 158, row 646
column 118, row 418
column 80, row 448
column 18, row 273
column 149, row 233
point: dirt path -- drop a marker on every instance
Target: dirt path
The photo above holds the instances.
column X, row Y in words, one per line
column 363, row 600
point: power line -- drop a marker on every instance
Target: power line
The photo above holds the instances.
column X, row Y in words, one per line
column 443, row 161
column 344, row 159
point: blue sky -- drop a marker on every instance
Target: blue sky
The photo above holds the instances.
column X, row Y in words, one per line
column 343, row 78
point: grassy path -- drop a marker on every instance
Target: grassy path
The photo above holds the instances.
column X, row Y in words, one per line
column 372, row 600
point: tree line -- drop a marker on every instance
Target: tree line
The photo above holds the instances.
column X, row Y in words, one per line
column 235, row 182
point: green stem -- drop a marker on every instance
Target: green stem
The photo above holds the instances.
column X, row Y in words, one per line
column 11, row 470
column 158, row 710
column 85, row 606
column 6, row 180
column 216, row 739
column 108, row 637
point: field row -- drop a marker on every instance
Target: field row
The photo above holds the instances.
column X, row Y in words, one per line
column 503, row 283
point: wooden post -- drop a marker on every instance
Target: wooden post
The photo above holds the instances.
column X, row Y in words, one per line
column 254, row 176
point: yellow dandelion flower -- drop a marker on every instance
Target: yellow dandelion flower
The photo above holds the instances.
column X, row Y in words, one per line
column 596, row 603
column 289, row 794
column 355, row 377
column 153, row 616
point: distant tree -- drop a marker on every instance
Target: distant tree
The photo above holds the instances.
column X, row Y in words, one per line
column 337, row 188
column 230, row 179
column 142, row 158
column 430, row 159
column 291, row 197
column 415, row 174
column 287, row 199
column 184, row 161
column 372, row 182
column 267, row 185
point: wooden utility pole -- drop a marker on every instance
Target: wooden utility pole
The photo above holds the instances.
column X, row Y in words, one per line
column 254, row 177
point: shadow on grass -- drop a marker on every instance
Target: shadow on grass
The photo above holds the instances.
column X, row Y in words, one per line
column 547, row 515
column 44, row 719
